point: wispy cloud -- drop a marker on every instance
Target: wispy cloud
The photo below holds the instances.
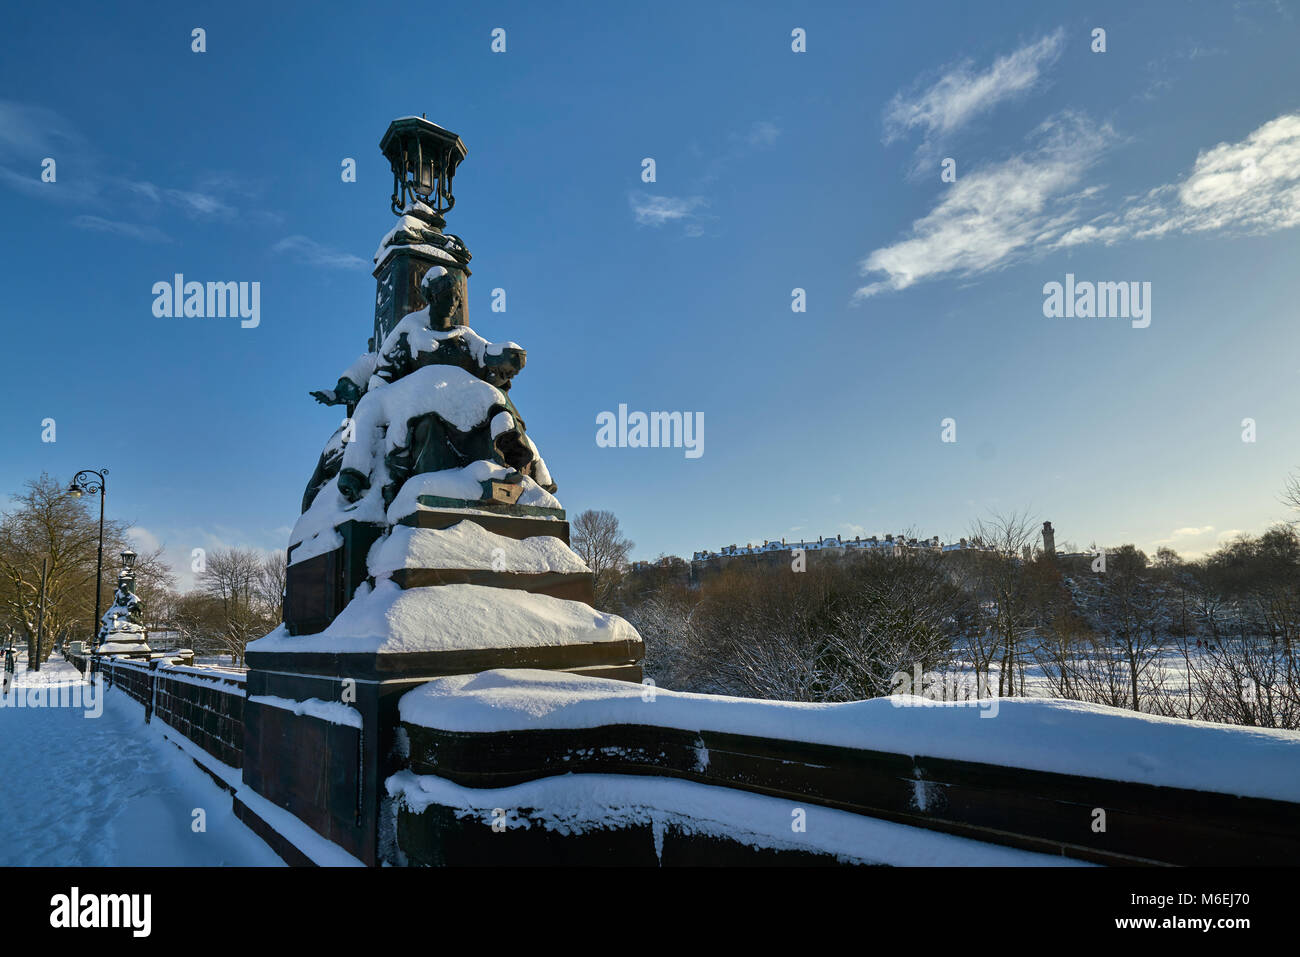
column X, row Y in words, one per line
column 1248, row 187
column 30, row 133
column 997, row 213
column 1032, row 204
column 197, row 204
column 961, row 93
column 311, row 253
column 762, row 134
column 1160, row 70
column 1194, row 542
column 656, row 211
column 146, row 233
column 649, row 209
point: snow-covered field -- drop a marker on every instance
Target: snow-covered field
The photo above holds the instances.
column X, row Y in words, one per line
column 107, row 790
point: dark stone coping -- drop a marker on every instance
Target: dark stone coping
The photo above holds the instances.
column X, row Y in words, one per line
column 380, row 666
column 281, row 845
column 487, row 505
column 1039, row 811
column 511, row 526
column 436, row 836
column 575, row 586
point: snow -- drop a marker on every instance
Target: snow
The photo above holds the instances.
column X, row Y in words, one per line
column 224, row 679
column 422, row 337
column 462, row 399
column 433, row 252
column 314, row 533
column 361, row 370
column 107, row 791
column 467, row 545
column 121, row 648
column 1042, row 734
column 388, row 619
column 335, row 712
column 576, row 803
column 463, row 483
column 322, row 851
column 501, row 422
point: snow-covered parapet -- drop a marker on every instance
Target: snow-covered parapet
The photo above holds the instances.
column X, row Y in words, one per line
column 1040, row 734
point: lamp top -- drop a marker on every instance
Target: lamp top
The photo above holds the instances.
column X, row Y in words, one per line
column 424, row 129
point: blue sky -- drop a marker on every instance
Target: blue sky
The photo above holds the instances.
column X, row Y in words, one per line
column 1172, row 158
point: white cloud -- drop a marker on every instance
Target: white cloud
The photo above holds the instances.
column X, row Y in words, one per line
column 961, row 93
column 311, row 253
column 28, row 132
column 1029, row 205
column 762, row 134
column 150, row 234
column 996, row 213
column 143, row 539
column 194, row 203
column 1248, row 187
column 657, row 210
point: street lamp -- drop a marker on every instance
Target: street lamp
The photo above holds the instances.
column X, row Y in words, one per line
column 128, row 560
column 90, row 482
column 424, row 158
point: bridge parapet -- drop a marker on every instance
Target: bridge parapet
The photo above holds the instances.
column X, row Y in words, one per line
column 1078, row 782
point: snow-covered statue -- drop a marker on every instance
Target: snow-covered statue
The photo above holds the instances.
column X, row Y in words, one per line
column 430, row 523
column 454, row 411
column 122, row 630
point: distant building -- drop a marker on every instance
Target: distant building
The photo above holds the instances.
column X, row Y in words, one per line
column 707, row 563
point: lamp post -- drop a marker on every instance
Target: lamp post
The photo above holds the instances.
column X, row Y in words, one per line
column 90, row 481
column 423, row 157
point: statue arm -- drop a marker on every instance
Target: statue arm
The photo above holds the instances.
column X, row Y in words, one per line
column 345, row 392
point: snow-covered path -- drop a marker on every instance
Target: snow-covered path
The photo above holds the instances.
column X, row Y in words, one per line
column 106, row 790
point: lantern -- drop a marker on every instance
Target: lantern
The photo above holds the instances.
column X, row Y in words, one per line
column 423, row 157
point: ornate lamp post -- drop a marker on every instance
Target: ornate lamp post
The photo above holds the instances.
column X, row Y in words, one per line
column 90, row 481
column 423, row 157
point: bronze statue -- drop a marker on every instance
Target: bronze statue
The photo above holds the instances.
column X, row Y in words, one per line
column 430, row 443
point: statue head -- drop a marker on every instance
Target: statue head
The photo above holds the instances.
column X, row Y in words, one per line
column 441, row 290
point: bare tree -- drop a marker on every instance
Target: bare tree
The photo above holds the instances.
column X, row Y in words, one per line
column 1001, row 541
column 236, row 581
column 47, row 524
column 598, row 540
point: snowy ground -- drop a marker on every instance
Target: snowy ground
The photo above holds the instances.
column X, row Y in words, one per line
column 1164, row 677
column 106, row 790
